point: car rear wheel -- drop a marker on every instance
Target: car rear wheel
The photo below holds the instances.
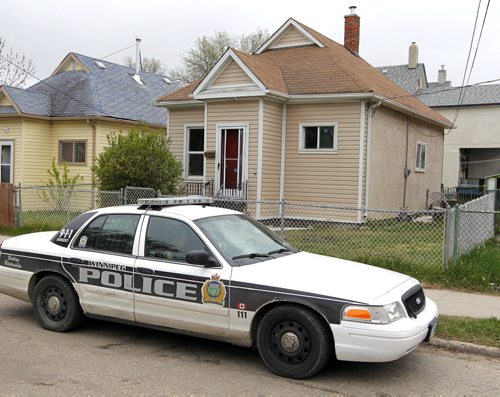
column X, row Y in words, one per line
column 55, row 304
column 293, row 342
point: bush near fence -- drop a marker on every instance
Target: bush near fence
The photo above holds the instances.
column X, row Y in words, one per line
column 415, row 242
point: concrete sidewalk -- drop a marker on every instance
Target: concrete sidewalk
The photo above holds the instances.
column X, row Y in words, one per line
column 465, row 304
column 454, row 303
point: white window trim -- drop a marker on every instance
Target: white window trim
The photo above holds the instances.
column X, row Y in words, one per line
column 187, row 127
column 318, row 124
column 11, row 144
column 417, row 168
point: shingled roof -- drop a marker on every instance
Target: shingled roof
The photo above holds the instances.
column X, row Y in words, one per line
column 472, row 96
column 316, row 70
column 106, row 92
column 409, row 79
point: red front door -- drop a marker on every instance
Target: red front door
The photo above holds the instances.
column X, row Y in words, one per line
column 231, row 168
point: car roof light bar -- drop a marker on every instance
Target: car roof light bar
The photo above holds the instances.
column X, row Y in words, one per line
column 170, row 201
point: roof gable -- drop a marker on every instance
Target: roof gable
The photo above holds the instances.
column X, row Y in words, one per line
column 231, row 74
column 70, row 63
column 291, row 34
column 7, row 105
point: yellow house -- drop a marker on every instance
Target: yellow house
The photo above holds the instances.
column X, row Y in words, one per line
column 307, row 120
column 69, row 115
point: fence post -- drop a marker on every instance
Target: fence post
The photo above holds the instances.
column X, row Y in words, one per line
column 19, row 207
column 68, row 204
column 282, row 216
column 158, row 193
column 457, row 236
column 447, row 222
column 121, row 200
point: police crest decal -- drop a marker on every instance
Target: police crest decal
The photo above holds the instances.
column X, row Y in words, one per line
column 214, row 290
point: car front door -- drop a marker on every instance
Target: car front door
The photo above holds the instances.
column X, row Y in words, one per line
column 173, row 293
column 101, row 262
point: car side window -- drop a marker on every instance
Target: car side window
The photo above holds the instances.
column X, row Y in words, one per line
column 170, row 239
column 113, row 233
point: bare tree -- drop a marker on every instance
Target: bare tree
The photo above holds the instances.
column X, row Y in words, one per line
column 208, row 49
column 151, row 65
column 15, row 68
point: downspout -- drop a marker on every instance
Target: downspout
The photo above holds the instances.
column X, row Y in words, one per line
column 371, row 113
column 93, row 125
column 407, row 171
column 362, row 158
column 283, row 153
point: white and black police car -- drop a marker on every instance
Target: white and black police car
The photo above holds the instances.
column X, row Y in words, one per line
column 219, row 274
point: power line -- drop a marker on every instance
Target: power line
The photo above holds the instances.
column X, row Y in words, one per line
column 116, row 52
column 462, row 93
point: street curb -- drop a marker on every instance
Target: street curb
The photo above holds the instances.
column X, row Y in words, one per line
column 464, row 347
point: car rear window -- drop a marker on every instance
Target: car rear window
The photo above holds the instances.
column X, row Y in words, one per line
column 63, row 237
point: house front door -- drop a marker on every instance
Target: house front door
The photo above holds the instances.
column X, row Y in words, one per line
column 231, row 162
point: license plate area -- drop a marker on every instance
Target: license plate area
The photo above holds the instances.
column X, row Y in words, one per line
column 432, row 330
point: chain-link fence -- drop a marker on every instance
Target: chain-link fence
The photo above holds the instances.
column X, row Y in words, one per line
column 468, row 226
column 366, row 235
column 427, row 239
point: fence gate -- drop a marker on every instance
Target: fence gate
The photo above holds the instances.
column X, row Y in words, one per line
column 7, row 217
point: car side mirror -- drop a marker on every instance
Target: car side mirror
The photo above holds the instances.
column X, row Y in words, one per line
column 200, row 257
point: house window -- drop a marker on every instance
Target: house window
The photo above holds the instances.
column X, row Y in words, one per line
column 195, row 146
column 421, row 159
column 318, row 137
column 72, row 152
column 6, row 157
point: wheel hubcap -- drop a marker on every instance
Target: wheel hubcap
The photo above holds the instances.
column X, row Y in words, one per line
column 53, row 304
column 290, row 342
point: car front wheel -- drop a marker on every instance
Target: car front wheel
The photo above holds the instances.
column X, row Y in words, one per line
column 293, row 341
column 55, row 304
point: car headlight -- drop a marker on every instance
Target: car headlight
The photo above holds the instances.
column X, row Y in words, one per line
column 374, row 314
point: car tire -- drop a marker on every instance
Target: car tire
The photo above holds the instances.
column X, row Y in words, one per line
column 294, row 341
column 56, row 305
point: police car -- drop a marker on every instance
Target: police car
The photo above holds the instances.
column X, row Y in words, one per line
column 220, row 274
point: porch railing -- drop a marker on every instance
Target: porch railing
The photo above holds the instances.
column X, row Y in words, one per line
column 189, row 188
column 240, row 192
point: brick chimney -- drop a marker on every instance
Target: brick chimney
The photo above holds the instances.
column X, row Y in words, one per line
column 351, row 31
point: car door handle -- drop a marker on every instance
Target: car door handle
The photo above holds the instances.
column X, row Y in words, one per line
column 76, row 260
column 145, row 270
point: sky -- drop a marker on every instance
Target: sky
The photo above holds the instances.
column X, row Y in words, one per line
column 46, row 30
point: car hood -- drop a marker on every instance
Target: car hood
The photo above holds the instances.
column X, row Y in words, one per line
column 323, row 275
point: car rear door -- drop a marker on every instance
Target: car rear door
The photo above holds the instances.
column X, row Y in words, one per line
column 101, row 262
column 172, row 293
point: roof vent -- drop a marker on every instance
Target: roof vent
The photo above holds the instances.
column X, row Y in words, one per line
column 137, row 79
column 100, row 65
column 167, row 80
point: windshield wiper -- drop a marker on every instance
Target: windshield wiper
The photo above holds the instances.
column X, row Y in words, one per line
column 280, row 251
column 251, row 256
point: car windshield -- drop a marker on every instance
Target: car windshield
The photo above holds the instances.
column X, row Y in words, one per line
column 243, row 240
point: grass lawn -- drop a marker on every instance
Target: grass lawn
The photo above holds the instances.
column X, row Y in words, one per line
column 412, row 248
column 465, row 329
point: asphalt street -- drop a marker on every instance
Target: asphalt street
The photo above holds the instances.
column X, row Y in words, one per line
column 103, row 358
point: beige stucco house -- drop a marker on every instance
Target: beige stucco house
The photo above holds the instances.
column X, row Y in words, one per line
column 69, row 115
column 307, row 120
column 472, row 146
